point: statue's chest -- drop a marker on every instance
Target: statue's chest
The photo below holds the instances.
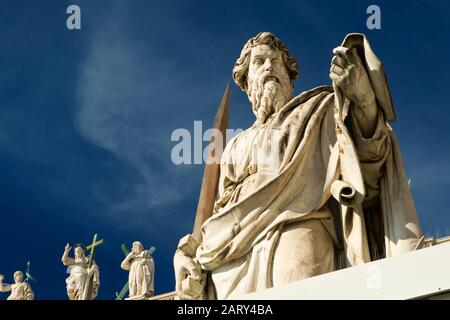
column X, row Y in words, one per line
column 18, row 290
column 257, row 151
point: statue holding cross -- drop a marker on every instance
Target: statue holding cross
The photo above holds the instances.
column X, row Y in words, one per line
column 84, row 275
column 140, row 264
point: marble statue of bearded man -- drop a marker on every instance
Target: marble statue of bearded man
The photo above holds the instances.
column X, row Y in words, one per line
column 314, row 185
column 80, row 274
column 141, row 269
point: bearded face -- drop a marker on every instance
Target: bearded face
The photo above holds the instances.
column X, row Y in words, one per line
column 137, row 247
column 269, row 85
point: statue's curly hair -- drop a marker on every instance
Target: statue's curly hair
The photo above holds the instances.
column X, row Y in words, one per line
column 240, row 70
column 17, row 273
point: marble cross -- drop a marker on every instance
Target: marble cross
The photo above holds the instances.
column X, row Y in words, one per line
column 95, row 243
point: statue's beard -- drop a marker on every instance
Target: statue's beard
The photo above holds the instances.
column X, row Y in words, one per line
column 267, row 96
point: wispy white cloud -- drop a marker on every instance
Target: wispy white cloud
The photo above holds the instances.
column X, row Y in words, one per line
column 119, row 109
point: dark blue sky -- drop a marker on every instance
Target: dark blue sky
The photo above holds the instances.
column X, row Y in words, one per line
column 86, row 116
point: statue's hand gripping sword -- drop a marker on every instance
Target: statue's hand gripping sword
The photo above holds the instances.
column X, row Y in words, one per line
column 188, row 244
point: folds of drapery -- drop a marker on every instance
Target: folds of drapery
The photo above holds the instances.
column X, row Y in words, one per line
column 320, row 156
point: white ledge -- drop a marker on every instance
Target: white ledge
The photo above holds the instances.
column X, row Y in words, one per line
column 423, row 273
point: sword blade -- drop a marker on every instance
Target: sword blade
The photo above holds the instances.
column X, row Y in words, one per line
column 211, row 172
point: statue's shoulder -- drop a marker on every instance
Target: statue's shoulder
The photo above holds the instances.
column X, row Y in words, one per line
column 146, row 254
column 311, row 97
column 25, row 285
column 233, row 139
column 313, row 93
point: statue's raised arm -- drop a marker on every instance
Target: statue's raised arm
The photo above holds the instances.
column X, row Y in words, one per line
column 66, row 260
column 4, row 287
column 20, row 290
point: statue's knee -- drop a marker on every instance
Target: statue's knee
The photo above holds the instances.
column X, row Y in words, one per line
column 305, row 249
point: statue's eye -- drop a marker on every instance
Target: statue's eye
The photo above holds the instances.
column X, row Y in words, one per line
column 275, row 60
column 258, row 61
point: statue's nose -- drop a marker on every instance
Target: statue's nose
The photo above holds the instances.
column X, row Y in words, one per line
column 268, row 65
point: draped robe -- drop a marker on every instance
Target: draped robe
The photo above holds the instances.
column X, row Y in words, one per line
column 306, row 155
column 20, row 291
column 77, row 281
column 141, row 276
